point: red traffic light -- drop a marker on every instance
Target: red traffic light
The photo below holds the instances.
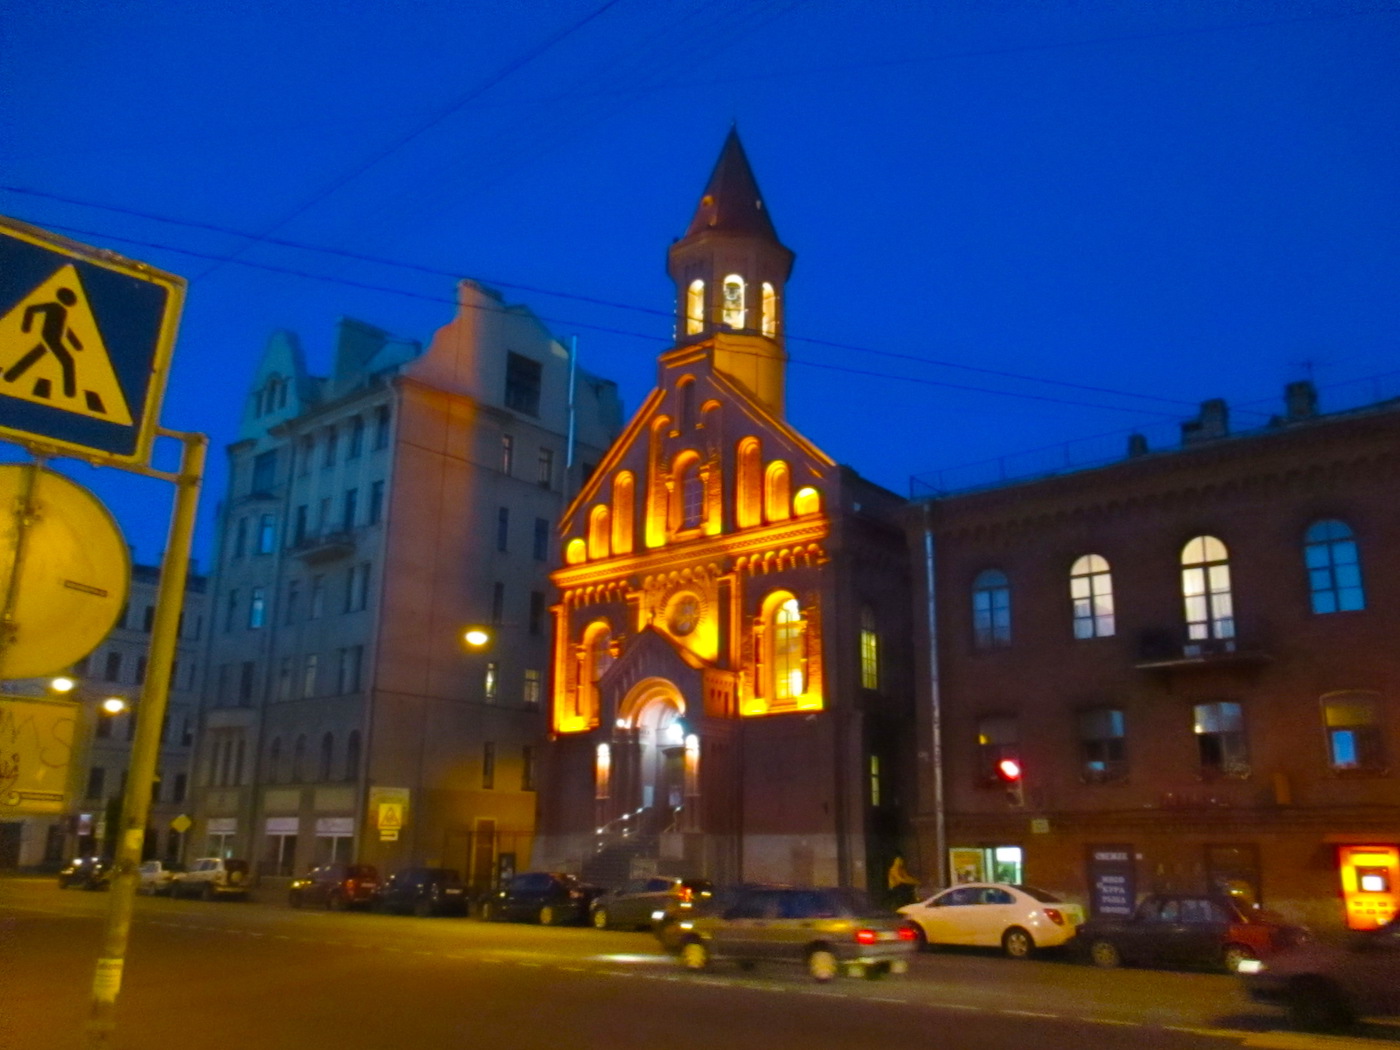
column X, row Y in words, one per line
column 1009, row 770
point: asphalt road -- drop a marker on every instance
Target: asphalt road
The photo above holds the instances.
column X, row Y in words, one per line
column 270, row 977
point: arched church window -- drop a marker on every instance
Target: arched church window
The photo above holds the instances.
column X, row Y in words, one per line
column 789, row 642
column 686, row 389
column 692, row 491
column 732, row 313
column 807, row 501
column 598, row 527
column 695, row 308
column 770, row 310
column 623, row 488
column 777, row 504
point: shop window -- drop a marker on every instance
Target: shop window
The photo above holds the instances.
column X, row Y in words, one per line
column 1103, row 756
column 1091, row 592
column 991, row 610
column 1334, row 567
column 1205, row 588
column 1353, row 724
column 1220, row 742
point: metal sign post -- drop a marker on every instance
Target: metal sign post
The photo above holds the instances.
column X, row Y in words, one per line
column 145, row 750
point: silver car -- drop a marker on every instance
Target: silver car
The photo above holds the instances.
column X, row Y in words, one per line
column 829, row 931
column 1324, row 985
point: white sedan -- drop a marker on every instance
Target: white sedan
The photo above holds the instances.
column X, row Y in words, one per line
column 1018, row 919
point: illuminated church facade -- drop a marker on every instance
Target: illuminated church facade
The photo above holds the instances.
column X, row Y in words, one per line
column 729, row 696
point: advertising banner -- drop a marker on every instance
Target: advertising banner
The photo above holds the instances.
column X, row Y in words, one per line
column 36, row 746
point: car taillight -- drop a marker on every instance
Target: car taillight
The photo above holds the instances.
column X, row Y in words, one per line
column 906, row 933
column 1053, row 914
column 351, row 884
column 866, row 936
column 685, row 895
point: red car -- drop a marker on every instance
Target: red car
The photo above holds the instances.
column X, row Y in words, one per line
column 335, row 886
column 1184, row 929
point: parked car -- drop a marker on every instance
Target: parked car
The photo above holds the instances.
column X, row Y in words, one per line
column 550, row 898
column 826, row 930
column 1326, row 986
column 641, row 903
column 87, row 873
column 424, row 892
column 1182, row 929
column 1015, row 918
column 155, row 876
column 335, row 886
column 211, row 877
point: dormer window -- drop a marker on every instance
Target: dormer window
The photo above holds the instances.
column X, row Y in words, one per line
column 732, row 313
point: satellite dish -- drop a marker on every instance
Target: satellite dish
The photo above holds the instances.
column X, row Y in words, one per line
column 73, row 580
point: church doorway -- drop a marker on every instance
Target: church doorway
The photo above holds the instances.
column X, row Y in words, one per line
column 660, row 733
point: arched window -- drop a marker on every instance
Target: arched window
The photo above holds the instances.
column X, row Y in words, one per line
column 869, row 649
column 598, row 532
column 1334, row 567
column 770, row 311
column 623, row 488
column 352, row 755
column 695, row 308
column 732, row 313
column 991, row 610
column 579, row 711
column 806, row 501
column 323, row 773
column 299, row 760
column 777, row 503
column 1205, row 588
column 1091, row 593
column 748, row 484
column 787, row 649
column 688, row 494
column 274, row 760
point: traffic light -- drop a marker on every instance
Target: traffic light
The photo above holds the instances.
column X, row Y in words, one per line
column 1009, row 773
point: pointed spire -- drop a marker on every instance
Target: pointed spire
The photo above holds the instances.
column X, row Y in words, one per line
column 731, row 202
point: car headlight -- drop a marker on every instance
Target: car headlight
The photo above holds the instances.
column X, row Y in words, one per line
column 1250, row 966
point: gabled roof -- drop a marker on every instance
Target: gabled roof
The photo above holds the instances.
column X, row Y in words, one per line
column 731, row 202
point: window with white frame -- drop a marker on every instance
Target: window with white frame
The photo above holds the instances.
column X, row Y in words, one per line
column 1091, row 593
column 1205, row 589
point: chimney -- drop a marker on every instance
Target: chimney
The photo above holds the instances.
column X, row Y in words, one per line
column 1300, row 400
column 1212, row 423
column 1137, row 445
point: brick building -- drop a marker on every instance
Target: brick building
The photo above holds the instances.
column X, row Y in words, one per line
column 1192, row 655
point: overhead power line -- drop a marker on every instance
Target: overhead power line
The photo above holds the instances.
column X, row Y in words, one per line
column 433, row 271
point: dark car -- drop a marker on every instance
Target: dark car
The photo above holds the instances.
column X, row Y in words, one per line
column 335, row 886
column 642, row 903
column 1325, row 986
column 828, row 931
column 423, row 891
column 1178, row 929
column 550, row 898
column 87, row 873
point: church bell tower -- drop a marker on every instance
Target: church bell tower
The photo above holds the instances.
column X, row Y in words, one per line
column 730, row 272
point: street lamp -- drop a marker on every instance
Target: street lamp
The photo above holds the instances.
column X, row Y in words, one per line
column 114, row 705
column 476, row 637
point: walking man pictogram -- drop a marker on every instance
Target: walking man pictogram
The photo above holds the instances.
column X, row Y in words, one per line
column 53, row 331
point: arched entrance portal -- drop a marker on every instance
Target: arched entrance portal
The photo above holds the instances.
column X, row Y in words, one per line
column 653, row 712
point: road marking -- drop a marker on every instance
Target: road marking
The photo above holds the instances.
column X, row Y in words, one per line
column 1301, row 1041
column 1213, row 1033
column 1111, row 1020
column 887, row 999
column 1031, row 1013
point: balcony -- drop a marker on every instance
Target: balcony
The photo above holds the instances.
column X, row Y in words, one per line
column 325, row 546
column 1171, row 650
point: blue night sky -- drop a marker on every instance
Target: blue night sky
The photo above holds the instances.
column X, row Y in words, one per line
column 1018, row 223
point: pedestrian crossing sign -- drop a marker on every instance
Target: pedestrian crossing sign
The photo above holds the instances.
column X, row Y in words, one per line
column 85, row 343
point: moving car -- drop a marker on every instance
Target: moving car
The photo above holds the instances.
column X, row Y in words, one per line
column 641, row 903
column 87, row 873
column 424, row 892
column 155, row 876
column 211, row 877
column 828, row 931
column 335, row 886
column 1326, row 986
column 1183, row 929
column 550, row 898
column 1015, row 918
